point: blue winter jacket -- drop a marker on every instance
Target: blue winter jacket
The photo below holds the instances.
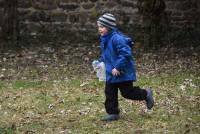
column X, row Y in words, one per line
column 116, row 53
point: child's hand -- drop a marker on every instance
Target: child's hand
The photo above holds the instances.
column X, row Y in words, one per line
column 115, row 72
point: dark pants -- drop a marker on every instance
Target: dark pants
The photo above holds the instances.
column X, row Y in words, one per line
column 127, row 90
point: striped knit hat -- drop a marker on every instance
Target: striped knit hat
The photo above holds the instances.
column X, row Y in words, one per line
column 108, row 20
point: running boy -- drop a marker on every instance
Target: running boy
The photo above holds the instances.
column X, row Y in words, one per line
column 120, row 68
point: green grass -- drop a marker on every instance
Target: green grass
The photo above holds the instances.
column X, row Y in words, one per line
column 76, row 105
column 6, row 131
column 20, row 84
column 1, row 85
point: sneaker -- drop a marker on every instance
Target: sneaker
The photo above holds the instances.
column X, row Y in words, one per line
column 149, row 99
column 110, row 117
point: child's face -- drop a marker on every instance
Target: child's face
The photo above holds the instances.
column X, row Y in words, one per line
column 102, row 30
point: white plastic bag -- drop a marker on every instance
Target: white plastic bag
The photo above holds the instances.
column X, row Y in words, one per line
column 99, row 68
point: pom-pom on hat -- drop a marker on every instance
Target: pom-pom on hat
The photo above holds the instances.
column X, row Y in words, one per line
column 108, row 20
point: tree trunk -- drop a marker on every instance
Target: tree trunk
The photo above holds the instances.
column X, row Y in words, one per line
column 151, row 12
column 10, row 23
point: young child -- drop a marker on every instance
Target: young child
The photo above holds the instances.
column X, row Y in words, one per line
column 120, row 68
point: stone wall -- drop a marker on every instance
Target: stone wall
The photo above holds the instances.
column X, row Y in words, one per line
column 66, row 21
column 71, row 20
column 183, row 13
column 184, row 21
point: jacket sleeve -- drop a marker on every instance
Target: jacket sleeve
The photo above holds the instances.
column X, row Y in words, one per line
column 101, row 58
column 123, row 53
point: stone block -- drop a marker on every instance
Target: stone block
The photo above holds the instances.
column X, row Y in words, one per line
column 93, row 15
column 69, row 7
column 171, row 5
column 111, row 4
column 178, row 19
column 30, row 29
column 128, row 4
column 191, row 15
column 70, row 1
column 23, row 13
column 24, row 3
column 88, row 5
column 83, row 17
column 93, row 0
column 83, row 1
column 58, row 16
column 73, row 18
column 185, row 5
column 45, row 4
column 177, row 14
column 38, row 16
column 33, row 28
